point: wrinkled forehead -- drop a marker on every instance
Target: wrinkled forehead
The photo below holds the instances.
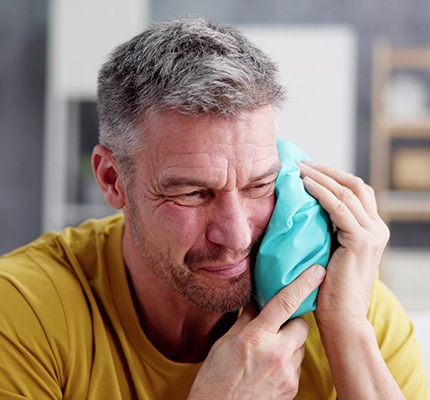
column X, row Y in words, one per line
column 175, row 127
column 179, row 146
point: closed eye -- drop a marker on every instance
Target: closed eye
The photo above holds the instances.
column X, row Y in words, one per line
column 199, row 193
column 259, row 190
column 262, row 185
column 192, row 199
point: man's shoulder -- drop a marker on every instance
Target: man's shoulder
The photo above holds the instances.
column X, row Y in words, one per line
column 56, row 253
column 45, row 305
column 49, row 273
column 40, row 264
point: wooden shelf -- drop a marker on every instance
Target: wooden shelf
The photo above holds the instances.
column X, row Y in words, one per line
column 396, row 205
column 404, row 205
column 401, row 128
column 410, row 57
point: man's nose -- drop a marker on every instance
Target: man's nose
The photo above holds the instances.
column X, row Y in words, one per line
column 230, row 222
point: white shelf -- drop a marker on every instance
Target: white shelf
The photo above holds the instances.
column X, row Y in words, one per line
column 81, row 34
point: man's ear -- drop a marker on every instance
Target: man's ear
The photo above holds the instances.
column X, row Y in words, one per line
column 108, row 177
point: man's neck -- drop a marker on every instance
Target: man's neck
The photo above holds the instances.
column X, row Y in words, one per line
column 181, row 335
column 177, row 329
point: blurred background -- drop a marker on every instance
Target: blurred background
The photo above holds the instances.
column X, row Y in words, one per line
column 358, row 80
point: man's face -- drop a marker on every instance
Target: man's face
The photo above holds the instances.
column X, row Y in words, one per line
column 201, row 197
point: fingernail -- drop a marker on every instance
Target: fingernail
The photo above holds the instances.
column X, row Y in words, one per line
column 319, row 271
column 310, row 163
column 309, row 181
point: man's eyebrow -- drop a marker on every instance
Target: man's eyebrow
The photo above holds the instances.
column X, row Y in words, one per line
column 274, row 170
column 182, row 181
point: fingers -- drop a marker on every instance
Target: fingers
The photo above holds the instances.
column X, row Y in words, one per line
column 281, row 307
column 247, row 315
column 296, row 332
column 363, row 191
column 350, row 202
column 340, row 213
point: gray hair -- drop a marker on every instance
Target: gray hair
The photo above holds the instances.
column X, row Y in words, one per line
column 190, row 65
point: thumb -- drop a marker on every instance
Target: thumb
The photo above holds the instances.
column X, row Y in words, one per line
column 282, row 306
column 249, row 312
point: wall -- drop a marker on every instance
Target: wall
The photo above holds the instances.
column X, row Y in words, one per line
column 22, row 78
column 22, row 82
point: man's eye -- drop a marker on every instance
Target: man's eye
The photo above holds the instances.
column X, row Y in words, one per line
column 194, row 198
column 261, row 185
column 261, row 189
column 193, row 194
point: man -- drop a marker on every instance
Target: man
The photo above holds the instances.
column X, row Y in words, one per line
column 156, row 303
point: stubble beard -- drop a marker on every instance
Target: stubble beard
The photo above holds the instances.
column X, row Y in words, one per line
column 223, row 295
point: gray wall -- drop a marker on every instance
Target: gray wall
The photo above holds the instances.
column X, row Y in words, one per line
column 22, row 76
column 22, row 81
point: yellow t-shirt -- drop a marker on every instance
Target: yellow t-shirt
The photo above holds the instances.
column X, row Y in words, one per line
column 68, row 328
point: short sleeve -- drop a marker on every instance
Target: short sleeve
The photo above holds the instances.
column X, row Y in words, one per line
column 45, row 328
column 398, row 343
column 29, row 365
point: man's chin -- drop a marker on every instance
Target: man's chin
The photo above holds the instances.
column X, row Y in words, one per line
column 221, row 301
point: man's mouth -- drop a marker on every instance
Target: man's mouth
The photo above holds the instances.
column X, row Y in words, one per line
column 227, row 270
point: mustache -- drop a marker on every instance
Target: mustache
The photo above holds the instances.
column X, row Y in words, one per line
column 220, row 253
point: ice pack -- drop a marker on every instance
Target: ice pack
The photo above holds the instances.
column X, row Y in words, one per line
column 298, row 234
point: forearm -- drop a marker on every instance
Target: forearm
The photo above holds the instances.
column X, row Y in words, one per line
column 358, row 369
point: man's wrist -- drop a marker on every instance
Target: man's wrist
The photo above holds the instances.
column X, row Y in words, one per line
column 343, row 327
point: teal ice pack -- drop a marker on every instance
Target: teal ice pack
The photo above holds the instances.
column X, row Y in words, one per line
column 298, row 234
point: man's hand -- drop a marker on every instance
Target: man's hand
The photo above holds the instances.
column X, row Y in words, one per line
column 260, row 356
column 358, row 368
column 362, row 236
